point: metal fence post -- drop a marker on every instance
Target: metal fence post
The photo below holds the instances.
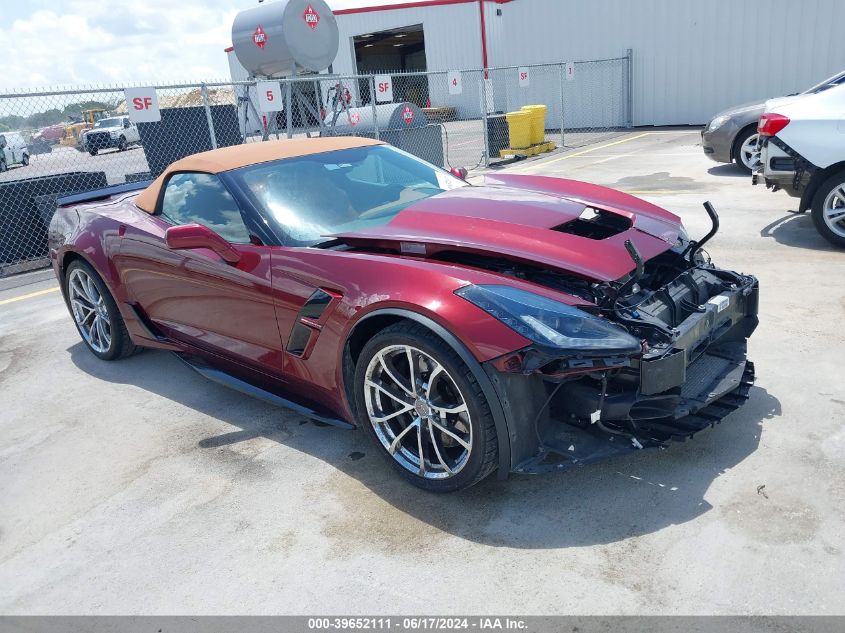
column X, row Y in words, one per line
column 630, row 55
column 289, row 107
column 212, row 135
column 562, row 79
column 373, row 103
column 484, row 117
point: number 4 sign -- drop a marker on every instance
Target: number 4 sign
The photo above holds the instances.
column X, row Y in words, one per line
column 454, row 78
column 269, row 96
column 524, row 79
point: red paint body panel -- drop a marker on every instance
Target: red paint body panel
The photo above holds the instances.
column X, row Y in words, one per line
column 242, row 314
column 519, row 223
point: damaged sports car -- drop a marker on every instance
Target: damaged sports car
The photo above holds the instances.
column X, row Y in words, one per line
column 522, row 324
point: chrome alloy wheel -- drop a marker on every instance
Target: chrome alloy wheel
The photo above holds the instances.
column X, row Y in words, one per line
column 417, row 412
column 833, row 210
column 89, row 311
column 748, row 152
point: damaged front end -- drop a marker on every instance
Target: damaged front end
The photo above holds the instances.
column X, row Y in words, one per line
column 656, row 357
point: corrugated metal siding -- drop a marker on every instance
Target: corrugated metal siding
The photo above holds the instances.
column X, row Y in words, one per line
column 691, row 58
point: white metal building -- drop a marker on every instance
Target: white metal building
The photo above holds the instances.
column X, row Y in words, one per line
column 691, row 58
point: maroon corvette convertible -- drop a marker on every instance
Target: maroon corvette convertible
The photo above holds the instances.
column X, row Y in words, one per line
column 524, row 324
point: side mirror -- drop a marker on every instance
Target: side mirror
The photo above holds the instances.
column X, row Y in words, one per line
column 126, row 123
column 459, row 172
column 198, row 236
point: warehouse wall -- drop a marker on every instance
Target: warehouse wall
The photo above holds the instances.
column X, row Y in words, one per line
column 691, row 58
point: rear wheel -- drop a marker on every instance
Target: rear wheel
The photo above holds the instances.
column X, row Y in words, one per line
column 424, row 410
column 829, row 209
column 25, row 160
column 745, row 151
column 3, row 164
column 95, row 313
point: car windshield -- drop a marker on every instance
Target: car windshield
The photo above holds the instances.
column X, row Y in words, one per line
column 312, row 197
column 109, row 123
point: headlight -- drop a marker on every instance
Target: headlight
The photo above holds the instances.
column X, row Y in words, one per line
column 550, row 323
column 718, row 122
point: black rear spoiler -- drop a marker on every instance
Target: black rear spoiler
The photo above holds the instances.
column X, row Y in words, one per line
column 101, row 194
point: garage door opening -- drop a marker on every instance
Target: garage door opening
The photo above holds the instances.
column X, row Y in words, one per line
column 400, row 50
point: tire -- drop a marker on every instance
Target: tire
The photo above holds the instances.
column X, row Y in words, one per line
column 121, row 144
column 741, row 158
column 829, row 209
column 25, row 160
column 93, row 151
column 459, row 448
column 87, row 296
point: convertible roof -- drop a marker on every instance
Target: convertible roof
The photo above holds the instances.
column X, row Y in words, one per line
column 227, row 158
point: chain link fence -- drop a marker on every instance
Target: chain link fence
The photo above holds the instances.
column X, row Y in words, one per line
column 55, row 143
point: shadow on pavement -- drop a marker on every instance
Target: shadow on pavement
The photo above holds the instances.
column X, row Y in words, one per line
column 729, row 169
column 798, row 230
column 601, row 503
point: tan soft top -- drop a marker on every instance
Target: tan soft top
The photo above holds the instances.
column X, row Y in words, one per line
column 227, row 158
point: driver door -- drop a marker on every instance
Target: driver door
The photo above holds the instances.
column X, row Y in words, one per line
column 193, row 295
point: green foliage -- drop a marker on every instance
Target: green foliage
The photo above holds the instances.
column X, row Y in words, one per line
column 53, row 116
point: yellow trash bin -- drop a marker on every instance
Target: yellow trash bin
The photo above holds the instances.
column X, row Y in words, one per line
column 519, row 128
column 538, row 122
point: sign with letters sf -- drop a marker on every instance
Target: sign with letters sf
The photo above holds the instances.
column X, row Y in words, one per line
column 384, row 88
column 142, row 105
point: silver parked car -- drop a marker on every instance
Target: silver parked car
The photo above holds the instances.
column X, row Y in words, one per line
column 731, row 136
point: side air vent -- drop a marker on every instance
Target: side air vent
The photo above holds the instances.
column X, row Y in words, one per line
column 308, row 323
column 596, row 224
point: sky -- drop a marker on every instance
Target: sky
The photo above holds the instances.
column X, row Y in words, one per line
column 51, row 43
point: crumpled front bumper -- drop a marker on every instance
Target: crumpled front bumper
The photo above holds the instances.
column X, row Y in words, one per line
column 592, row 409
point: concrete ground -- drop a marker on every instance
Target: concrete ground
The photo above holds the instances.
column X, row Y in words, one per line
column 138, row 487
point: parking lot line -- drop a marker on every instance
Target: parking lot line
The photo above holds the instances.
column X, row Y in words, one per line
column 584, row 151
column 31, row 295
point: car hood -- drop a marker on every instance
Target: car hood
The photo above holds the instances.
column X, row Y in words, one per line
column 529, row 219
column 746, row 109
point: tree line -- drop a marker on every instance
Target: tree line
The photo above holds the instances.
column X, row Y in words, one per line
column 53, row 116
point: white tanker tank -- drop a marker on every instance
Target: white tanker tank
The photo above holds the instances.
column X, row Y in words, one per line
column 279, row 39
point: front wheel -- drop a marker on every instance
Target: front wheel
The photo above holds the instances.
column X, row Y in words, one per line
column 121, row 144
column 423, row 408
column 25, row 160
column 3, row 165
column 95, row 313
column 93, row 151
column 746, row 154
column 829, row 209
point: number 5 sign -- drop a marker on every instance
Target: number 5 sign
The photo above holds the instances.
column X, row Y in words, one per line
column 269, row 96
column 524, row 78
column 142, row 105
column 454, row 78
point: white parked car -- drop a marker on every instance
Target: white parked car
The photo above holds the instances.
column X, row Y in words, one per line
column 13, row 150
column 802, row 151
column 117, row 132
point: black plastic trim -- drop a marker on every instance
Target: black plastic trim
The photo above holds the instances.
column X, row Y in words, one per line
column 101, row 194
column 227, row 380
